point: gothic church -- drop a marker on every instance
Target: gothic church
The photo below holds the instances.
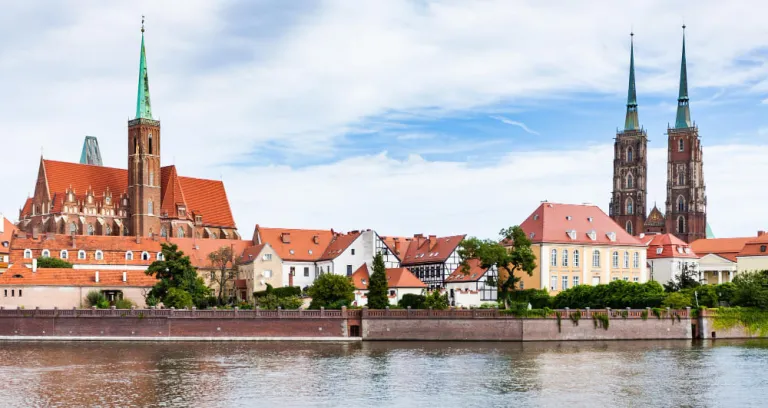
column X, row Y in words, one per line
column 686, row 204
column 146, row 200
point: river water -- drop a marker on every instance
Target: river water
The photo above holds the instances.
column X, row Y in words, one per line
column 295, row 374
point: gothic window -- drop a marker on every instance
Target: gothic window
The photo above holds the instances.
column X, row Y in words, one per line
column 630, row 181
column 554, row 257
column 46, row 253
column 63, row 254
column 576, row 257
column 680, row 177
column 151, row 178
column 90, row 229
column 163, row 232
column 629, row 154
column 99, row 255
column 150, row 143
column 680, row 204
column 180, row 233
column 81, row 254
column 565, row 257
column 626, row 259
column 680, row 145
column 595, row 258
column 681, row 224
column 629, row 227
column 150, row 208
column 73, row 228
column 615, row 259
column 145, row 256
column 129, row 256
column 630, row 206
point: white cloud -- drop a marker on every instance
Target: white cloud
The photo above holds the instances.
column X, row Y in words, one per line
column 515, row 123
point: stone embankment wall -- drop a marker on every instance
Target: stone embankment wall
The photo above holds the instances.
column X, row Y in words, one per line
column 708, row 328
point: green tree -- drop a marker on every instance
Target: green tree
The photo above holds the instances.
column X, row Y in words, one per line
column 412, row 300
column 272, row 302
column 436, row 300
column 688, row 278
column 224, row 271
column 677, row 300
column 751, row 289
column 331, row 292
column 96, row 298
column 48, row 262
column 178, row 298
column 516, row 259
column 175, row 270
column 377, row 287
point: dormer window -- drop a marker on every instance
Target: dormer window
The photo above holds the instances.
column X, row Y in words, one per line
column 611, row 236
column 129, row 256
column 680, row 250
column 592, row 235
column 199, row 219
column 145, row 256
column 589, row 219
column 46, row 253
column 687, row 250
column 568, row 217
column 98, row 255
column 63, row 254
column 81, row 254
column 108, row 200
column 571, row 234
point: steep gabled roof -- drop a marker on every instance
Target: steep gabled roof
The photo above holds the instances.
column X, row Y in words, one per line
column 295, row 244
column 6, row 235
column 397, row 245
column 339, row 244
column 475, row 273
column 62, row 175
column 575, row 224
column 251, row 253
column 755, row 247
column 199, row 249
column 727, row 248
column 670, row 246
column 432, row 249
column 21, row 275
column 396, row 278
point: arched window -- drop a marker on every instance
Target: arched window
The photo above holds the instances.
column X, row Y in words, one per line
column 99, row 255
column 108, row 230
column 129, row 256
column 680, row 145
column 160, row 256
column 73, row 228
column 630, row 154
column 554, row 257
column 636, row 260
column 27, row 254
column 81, row 254
column 626, row 259
column 46, row 253
column 630, row 181
column 629, row 228
column 565, row 257
column 681, row 224
column 595, row 258
column 180, row 232
column 630, row 206
column 575, row 257
column 615, row 261
column 145, row 256
column 163, row 232
column 680, row 204
column 150, row 208
column 150, row 145
column 151, row 178
column 63, row 254
column 90, row 229
column 680, row 178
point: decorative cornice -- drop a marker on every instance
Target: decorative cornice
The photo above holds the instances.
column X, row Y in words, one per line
column 143, row 121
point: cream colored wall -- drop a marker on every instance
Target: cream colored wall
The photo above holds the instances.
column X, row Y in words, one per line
column 253, row 271
column 587, row 273
column 752, row 263
column 63, row 297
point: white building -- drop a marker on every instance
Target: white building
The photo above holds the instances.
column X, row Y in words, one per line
column 473, row 287
column 667, row 256
column 400, row 281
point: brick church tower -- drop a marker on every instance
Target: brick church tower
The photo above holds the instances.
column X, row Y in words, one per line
column 144, row 159
column 686, row 203
column 630, row 164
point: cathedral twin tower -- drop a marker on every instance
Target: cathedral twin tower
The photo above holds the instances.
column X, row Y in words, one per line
column 686, row 205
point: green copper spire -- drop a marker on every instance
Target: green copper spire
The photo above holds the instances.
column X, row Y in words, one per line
column 632, row 122
column 143, row 106
column 683, row 119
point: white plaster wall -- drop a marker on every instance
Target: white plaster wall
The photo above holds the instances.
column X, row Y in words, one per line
column 299, row 279
column 363, row 248
column 63, row 297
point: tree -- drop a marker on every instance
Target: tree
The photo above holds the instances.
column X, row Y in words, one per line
column 688, row 278
column 751, row 289
column 225, row 269
column 48, row 262
column 518, row 258
column 178, row 298
column 377, row 287
column 331, row 292
column 412, row 300
column 272, row 301
column 436, row 300
column 175, row 270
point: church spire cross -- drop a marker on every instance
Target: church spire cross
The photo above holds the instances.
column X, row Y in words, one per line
column 632, row 122
column 683, row 119
column 143, row 105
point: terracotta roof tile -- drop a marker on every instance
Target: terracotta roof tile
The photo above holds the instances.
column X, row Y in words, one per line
column 551, row 223
column 727, row 248
column 295, row 244
column 6, row 235
column 670, row 246
column 339, row 243
column 397, row 245
column 209, row 198
column 475, row 273
column 755, row 247
column 198, row 249
column 396, row 278
column 432, row 249
column 250, row 253
column 20, row 275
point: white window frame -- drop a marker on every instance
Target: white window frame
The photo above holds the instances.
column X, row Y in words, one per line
column 595, row 258
column 46, row 253
column 81, row 254
column 64, row 254
column 553, row 282
column 565, row 257
column 615, row 259
column 564, row 283
column 267, row 273
column 145, row 256
column 575, row 280
column 160, row 256
column 626, row 259
column 98, row 255
column 553, row 257
column 27, row 254
column 129, row 255
column 636, row 260
column 576, row 258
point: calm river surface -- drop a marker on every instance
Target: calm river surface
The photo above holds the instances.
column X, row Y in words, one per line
column 292, row 374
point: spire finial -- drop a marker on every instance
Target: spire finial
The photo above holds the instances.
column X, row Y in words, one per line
column 683, row 119
column 142, row 23
column 143, row 105
column 631, row 122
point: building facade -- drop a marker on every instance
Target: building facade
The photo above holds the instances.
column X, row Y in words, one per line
column 144, row 200
column 259, row 266
column 432, row 259
column 668, row 256
column 474, row 286
column 400, row 282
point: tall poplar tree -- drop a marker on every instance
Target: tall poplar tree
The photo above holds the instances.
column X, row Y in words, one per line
column 377, row 287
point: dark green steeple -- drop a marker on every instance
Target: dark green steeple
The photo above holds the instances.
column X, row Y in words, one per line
column 632, row 122
column 143, row 105
column 683, row 119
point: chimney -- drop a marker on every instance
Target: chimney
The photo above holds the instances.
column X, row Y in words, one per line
column 316, row 239
column 125, row 276
column 48, row 236
column 760, row 233
column 34, row 264
column 34, row 233
column 97, row 276
column 432, row 242
column 74, row 242
column 138, row 239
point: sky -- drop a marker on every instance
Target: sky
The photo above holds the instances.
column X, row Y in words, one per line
column 435, row 117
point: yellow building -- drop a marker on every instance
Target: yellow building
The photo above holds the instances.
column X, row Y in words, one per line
column 580, row 244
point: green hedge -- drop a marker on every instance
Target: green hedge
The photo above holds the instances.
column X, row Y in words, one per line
column 287, row 291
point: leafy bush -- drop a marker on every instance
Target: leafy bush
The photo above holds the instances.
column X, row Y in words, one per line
column 414, row 301
column 436, row 300
column 706, row 295
column 244, row 306
column 677, row 300
column 272, row 302
column 726, row 292
column 262, row 293
column 751, row 290
column 96, row 298
column 48, row 262
column 177, row 298
column 538, row 298
column 286, row 291
column 331, row 291
column 124, row 304
column 617, row 294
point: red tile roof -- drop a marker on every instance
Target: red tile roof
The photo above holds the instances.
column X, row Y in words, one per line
column 670, row 245
column 755, row 247
column 20, row 275
column 295, row 244
column 727, row 248
column 250, row 253
column 339, row 244
column 397, row 245
column 396, row 278
column 6, row 235
column 432, row 249
column 206, row 197
column 198, row 249
column 551, row 223
column 475, row 273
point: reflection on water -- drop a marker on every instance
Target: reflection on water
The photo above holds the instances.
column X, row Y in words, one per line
column 288, row 374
